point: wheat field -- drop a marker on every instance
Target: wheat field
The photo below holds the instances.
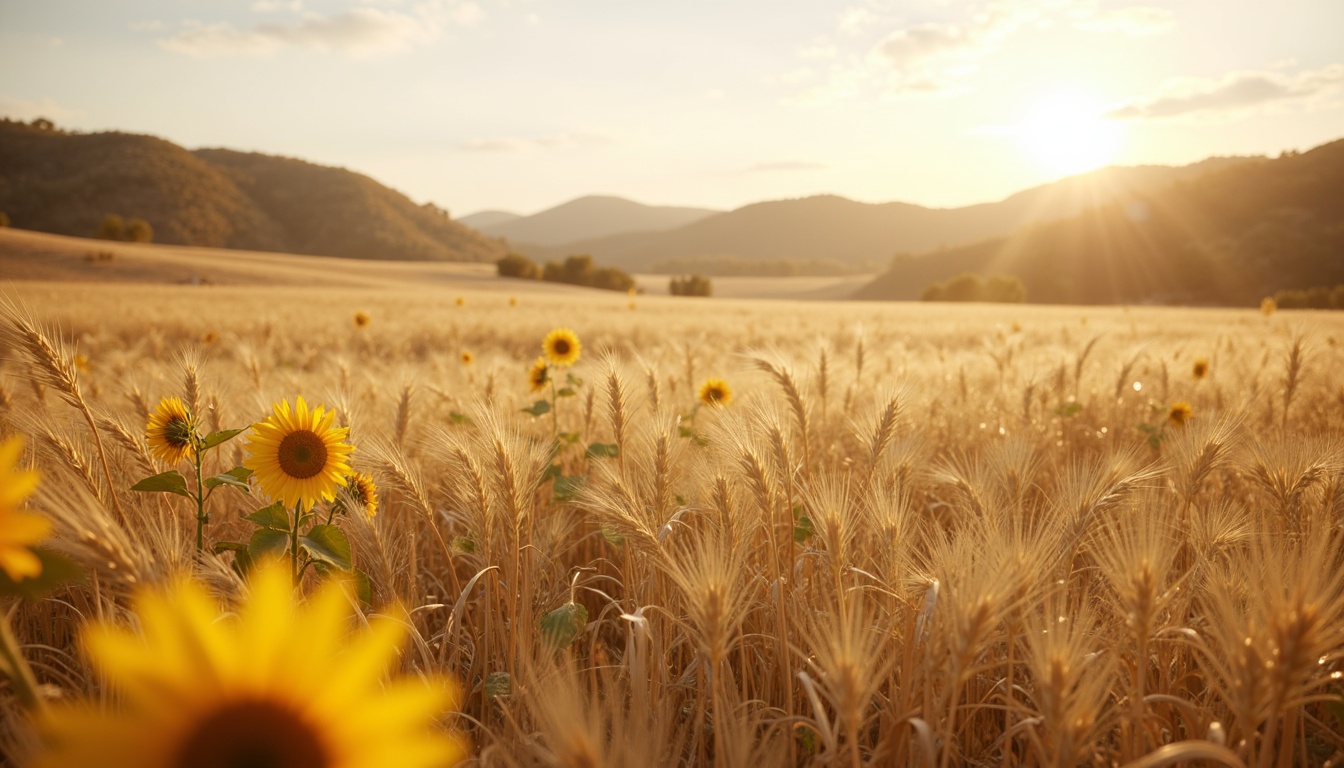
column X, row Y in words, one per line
column 917, row 535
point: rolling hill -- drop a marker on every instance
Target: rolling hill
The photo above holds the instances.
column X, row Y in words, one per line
column 836, row 230
column 587, row 218
column 65, row 183
column 482, row 219
column 1229, row 236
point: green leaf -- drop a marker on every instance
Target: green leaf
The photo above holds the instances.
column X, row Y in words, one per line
column 573, row 381
column 171, row 481
column 603, row 451
column 218, row 438
column 328, row 544
column 57, row 570
column 236, row 478
column 560, row 627
column 274, row 517
column 267, row 544
column 552, row 472
column 539, row 408
column 802, row 529
column 242, row 561
column 1067, row 410
column 566, row 392
column 463, row 544
column 566, row 487
column 498, row 684
column 569, row 437
column 363, row 587
column 459, row 418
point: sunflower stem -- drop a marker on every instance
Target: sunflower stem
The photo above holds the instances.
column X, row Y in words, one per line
column 198, row 460
column 17, row 669
column 555, row 409
column 294, row 569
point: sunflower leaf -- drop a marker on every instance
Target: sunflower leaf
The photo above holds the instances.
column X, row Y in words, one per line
column 267, row 543
column 539, row 408
column 560, row 627
column 273, row 517
column 217, row 438
column 171, row 481
column 328, row 544
column 603, row 451
column 363, row 587
column 497, row 684
column 566, row 487
column 236, row 477
column 566, row 392
column 56, row 570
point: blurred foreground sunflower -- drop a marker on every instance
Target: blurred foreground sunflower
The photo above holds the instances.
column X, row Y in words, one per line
column 278, row 684
column 170, row 431
column 19, row 530
column 298, row 456
column 561, row 347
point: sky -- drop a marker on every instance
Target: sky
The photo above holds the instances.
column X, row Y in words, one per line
column 520, row 105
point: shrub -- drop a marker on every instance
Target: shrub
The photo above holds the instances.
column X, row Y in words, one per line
column 518, row 265
column 112, row 228
column 138, row 231
column 692, row 285
column 968, row 286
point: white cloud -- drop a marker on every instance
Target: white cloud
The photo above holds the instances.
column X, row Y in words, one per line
column 530, row 143
column 1134, row 21
column 359, row 32
column 25, row 109
column 1234, row 95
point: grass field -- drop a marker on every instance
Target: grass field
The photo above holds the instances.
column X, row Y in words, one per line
column 917, row 535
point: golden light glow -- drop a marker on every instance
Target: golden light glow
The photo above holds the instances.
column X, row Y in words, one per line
column 1068, row 133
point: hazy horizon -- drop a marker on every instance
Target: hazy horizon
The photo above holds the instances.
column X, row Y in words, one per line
column 521, row 105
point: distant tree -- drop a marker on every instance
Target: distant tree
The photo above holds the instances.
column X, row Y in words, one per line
column 574, row 270
column 518, row 265
column 1318, row 298
column 934, row 292
column 1337, row 297
column 1005, row 289
column 4, row 219
column 965, row 287
column 43, row 124
column 112, row 228
column 612, row 279
column 691, row 285
column 138, row 231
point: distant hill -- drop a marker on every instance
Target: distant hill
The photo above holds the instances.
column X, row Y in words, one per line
column 62, row 182
column 591, row 217
column 829, row 230
column 482, row 219
column 1229, row 236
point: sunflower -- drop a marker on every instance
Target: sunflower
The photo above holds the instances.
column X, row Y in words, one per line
column 361, row 319
column 278, row 684
column 298, row 455
column 1180, row 413
column 1200, row 369
column 513, row 301
column 365, row 492
column 467, row 358
column 171, row 431
column 461, row 301
column 540, row 375
column 562, row 347
column 18, row 530
column 1268, row 305
column 716, row 392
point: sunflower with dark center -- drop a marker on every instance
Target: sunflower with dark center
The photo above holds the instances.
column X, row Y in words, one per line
column 171, row 431
column 274, row 685
column 1200, row 369
column 716, row 392
column 561, row 347
column 365, row 492
column 539, row 375
column 467, row 357
column 1180, row 413
column 298, row 456
column 361, row 319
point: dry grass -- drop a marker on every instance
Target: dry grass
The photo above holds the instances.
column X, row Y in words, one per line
column 917, row 537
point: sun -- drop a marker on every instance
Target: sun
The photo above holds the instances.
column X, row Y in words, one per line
column 1068, row 133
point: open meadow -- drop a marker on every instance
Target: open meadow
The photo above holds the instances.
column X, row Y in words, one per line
column 729, row 532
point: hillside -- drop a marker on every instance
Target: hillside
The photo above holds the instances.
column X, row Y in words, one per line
column 828, row 230
column 483, row 219
column 1228, row 237
column 591, row 217
column 65, row 183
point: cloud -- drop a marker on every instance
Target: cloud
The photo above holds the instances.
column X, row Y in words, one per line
column 358, row 32
column 783, row 166
column 525, row 144
column 1134, row 21
column 1234, row 94
column 25, row 109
